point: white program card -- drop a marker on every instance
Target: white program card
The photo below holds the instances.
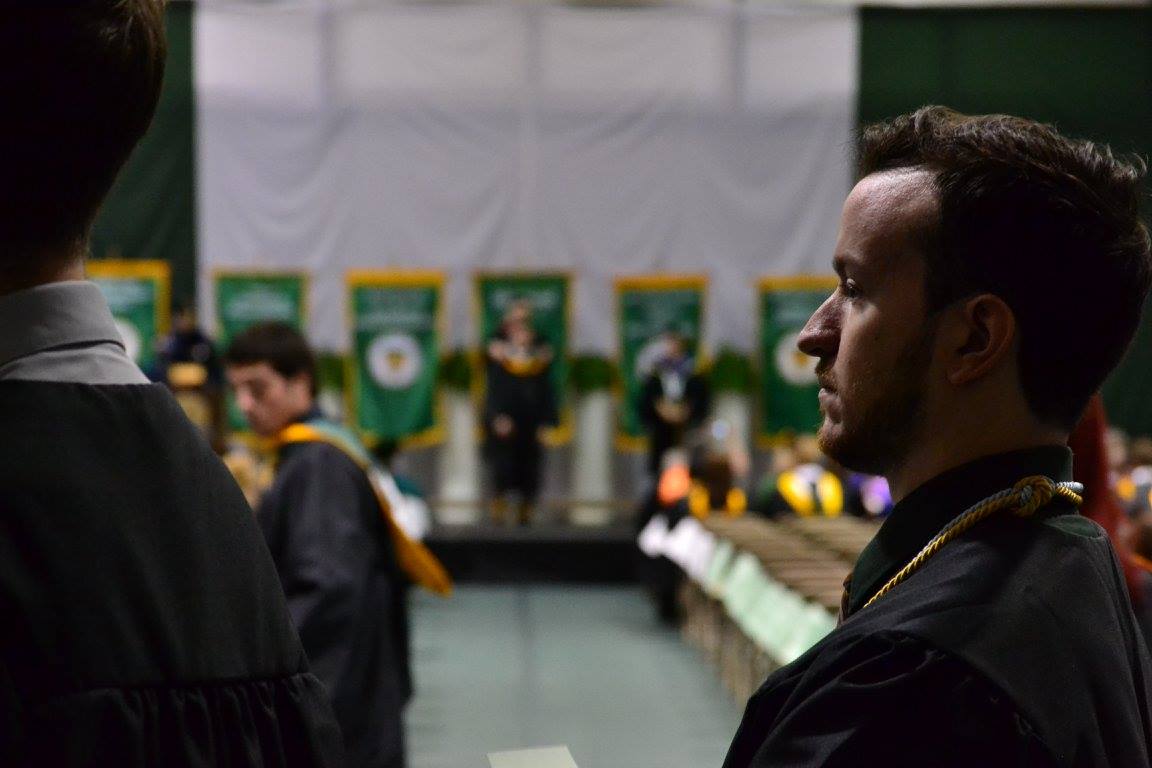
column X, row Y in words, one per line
column 546, row 757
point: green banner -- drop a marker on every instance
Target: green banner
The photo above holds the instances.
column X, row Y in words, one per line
column 139, row 294
column 247, row 298
column 788, row 402
column 396, row 325
column 549, row 297
column 647, row 307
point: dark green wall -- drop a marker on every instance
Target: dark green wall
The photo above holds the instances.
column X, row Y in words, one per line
column 1089, row 71
column 151, row 212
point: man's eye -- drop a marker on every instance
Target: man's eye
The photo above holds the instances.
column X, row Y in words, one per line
column 849, row 289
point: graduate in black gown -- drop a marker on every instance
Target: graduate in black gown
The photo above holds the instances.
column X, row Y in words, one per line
column 143, row 624
column 991, row 274
column 340, row 559
column 674, row 399
column 520, row 402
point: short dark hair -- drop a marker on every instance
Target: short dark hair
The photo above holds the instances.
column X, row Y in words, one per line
column 80, row 82
column 279, row 345
column 1049, row 224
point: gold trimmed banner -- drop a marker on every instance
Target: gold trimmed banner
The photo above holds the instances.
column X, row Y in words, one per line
column 396, row 326
column 550, row 296
column 646, row 307
column 139, row 293
column 787, row 402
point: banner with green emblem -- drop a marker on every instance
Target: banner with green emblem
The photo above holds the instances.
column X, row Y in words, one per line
column 246, row 298
column 549, row 298
column 139, row 294
column 646, row 308
column 396, row 321
column 787, row 398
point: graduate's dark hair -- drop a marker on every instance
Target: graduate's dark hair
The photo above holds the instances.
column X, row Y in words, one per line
column 79, row 82
column 279, row 345
column 1049, row 224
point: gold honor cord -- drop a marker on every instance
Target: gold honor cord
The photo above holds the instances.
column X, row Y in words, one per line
column 1024, row 499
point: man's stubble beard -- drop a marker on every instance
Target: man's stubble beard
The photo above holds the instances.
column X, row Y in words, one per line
column 882, row 436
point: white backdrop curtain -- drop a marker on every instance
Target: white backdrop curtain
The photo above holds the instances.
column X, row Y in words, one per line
column 334, row 136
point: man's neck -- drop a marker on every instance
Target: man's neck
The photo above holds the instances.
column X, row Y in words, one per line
column 48, row 271
column 928, row 461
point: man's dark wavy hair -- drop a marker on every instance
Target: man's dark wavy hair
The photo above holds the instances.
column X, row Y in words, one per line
column 1049, row 224
column 80, row 81
column 279, row 345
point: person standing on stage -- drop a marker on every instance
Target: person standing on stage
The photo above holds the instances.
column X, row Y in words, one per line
column 342, row 558
column 992, row 273
column 520, row 403
column 674, row 399
column 143, row 623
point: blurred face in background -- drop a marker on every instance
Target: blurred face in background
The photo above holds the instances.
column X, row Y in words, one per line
column 872, row 336
column 268, row 400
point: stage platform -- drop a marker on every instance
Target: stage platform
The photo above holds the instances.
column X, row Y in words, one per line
column 487, row 554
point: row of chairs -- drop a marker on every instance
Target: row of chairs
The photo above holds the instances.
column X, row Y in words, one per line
column 760, row 593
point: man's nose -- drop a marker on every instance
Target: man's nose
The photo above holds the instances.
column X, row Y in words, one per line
column 821, row 334
column 243, row 400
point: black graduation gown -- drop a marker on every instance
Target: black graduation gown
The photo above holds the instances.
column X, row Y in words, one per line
column 1014, row 645
column 663, row 435
column 528, row 400
column 336, row 562
column 143, row 623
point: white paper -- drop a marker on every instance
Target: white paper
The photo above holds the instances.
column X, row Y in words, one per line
column 546, row 757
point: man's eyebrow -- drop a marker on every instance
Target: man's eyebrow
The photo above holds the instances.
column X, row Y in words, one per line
column 840, row 264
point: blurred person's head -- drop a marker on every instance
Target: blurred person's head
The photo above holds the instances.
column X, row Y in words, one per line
column 675, row 347
column 1140, row 452
column 184, row 317
column 518, row 312
column 80, row 82
column 992, row 273
column 272, row 371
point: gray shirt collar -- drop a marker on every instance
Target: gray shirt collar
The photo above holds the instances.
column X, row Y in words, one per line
column 52, row 316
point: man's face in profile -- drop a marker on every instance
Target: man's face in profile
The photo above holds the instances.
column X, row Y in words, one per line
column 872, row 336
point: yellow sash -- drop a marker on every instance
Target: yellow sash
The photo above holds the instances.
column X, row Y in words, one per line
column 414, row 558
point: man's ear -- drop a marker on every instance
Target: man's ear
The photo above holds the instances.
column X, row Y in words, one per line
column 984, row 335
column 302, row 384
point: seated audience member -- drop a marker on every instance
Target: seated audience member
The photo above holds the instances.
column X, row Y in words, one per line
column 344, row 560
column 143, row 621
column 807, row 489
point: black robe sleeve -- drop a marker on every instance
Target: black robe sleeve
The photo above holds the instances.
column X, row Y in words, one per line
column 338, row 570
column 313, row 519
column 886, row 700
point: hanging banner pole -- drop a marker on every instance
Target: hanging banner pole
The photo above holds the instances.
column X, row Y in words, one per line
column 646, row 307
column 787, row 401
column 396, row 322
column 549, row 295
column 139, row 293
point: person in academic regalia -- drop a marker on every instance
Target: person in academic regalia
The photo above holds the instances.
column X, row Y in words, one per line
column 520, row 403
column 806, row 489
column 674, row 399
column 342, row 559
column 955, row 357
column 143, row 622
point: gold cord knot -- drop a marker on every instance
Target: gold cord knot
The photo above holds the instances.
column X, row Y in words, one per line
column 1023, row 499
column 1030, row 494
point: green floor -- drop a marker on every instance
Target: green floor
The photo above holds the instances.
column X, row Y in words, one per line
column 510, row 667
